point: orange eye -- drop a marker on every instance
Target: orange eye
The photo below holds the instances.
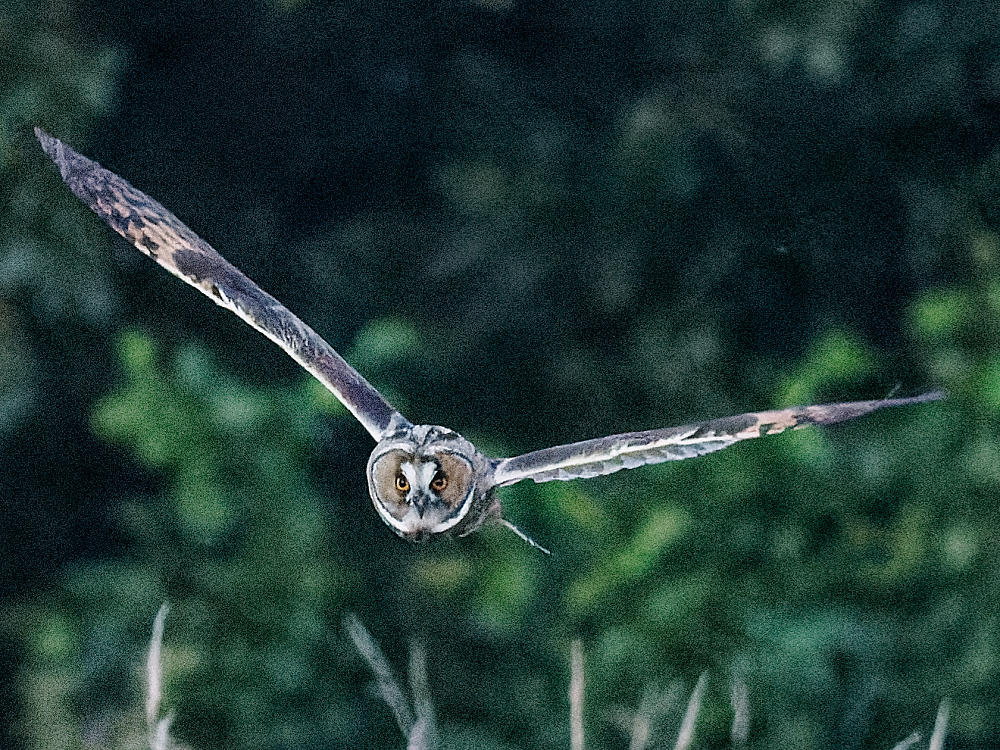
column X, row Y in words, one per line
column 439, row 482
column 401, row 484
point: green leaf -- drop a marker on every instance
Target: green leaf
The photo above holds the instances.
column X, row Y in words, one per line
column 662, row 528
column 838, row 355
column 383, row 342
column 940, row 313
column 137, row 352
column 988, row 385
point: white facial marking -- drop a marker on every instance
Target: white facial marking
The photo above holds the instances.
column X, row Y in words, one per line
column 419, row 464
column 419, row 475
column 410, row 472
column 426, row 472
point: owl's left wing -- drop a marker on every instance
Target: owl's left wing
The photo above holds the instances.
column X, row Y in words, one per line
column 591, row 458
column 163, row 237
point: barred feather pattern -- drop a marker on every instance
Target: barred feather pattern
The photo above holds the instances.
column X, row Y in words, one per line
column 591, row 458
column 156, row 232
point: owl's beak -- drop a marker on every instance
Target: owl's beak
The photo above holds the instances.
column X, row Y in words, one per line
column 420, row 502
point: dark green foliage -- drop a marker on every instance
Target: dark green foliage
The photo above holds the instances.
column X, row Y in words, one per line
column 534, row 223
column 236, row 541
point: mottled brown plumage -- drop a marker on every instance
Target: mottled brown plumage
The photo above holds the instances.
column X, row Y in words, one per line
column 425, row 481
column 164, row 238
column 591, row 458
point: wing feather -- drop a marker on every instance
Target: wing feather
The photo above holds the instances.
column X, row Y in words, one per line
column 591, row 458
column 163, row 237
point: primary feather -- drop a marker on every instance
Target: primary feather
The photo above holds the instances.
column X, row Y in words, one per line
column 591, row 458
column 163, row 237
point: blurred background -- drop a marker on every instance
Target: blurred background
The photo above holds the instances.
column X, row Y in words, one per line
column 534, row 223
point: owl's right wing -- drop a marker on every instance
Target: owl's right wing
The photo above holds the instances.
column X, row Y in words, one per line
column 591, row 458
column 164, row 238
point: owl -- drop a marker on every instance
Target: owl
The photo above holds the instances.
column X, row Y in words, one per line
column 425, row 481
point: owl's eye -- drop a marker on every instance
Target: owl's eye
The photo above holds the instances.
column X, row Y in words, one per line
column 439, row 482
column 402, row 484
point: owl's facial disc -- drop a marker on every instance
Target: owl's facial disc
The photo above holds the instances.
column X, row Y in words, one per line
column 420, row 494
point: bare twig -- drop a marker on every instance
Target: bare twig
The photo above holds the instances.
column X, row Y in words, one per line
column 911, row 740
column 385, row 682
column 154, row 667
column 739, row 698
column 641, row 722
column 686, row 733
column 576, row 696
column 417, row 721
column 160, row 736
column 417, row 724
column 940, row 726
column 640, row 732
column 657, row 704
column 157, row 727
column 423, row 735
column 420, row 736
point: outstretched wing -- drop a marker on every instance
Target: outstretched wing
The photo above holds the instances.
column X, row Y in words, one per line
column 591, row 458
column 164, row 238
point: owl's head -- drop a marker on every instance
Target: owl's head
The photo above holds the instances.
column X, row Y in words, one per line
column 427, row 481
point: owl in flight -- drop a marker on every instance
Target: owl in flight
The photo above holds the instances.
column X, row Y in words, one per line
column 425, row 481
